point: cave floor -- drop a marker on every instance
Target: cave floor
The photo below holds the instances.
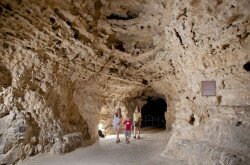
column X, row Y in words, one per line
column 106, row 152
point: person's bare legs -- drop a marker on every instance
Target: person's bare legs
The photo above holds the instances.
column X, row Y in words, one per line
column 128, row 139
column 117, row 131
column 134, row 132
column 116, row 134
column 139, row 132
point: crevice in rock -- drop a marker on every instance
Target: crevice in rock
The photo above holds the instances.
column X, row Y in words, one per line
column 182, row 14
column 60, row 15
column 113, row 70
column 219, row 2
column 145, row 82
column 219, row 99
column 183, row 25
column 193, row 34
column 129, row 15
column 32, row 131
column 246, row 66
column 179, row 37
column 224, row 47
column 5, row 45
column 52, row 20
column 234, row 18
column 117, row 17
column 119, row 45
column 79, row 36
column 239, row 123
column 69, row 23
column 97, row 5
column 223, row 84
column 7, row 7
column 125, row 63
column 5, row 77
column 116, row 43
column 2, row 114
column 191, row 120
column 243, row 36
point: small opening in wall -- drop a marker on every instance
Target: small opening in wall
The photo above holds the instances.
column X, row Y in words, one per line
column 52, row 19
column 145, row 82
column 119, row 45
column 247, row 66
column 239, row 123
column 192, row 119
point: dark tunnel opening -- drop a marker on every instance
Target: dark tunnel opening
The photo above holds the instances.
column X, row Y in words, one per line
column 153, row 113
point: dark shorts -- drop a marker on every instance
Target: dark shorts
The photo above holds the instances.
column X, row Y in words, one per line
column 137, row 124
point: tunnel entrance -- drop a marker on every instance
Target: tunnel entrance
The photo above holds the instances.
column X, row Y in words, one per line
column 153, row 113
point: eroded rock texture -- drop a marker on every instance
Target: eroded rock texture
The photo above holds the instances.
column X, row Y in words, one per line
column 66, row 65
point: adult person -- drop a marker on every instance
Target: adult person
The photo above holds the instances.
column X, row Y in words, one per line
column 137, row 122
column 117, row 120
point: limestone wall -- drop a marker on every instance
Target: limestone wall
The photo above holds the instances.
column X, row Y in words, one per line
column 209, row 41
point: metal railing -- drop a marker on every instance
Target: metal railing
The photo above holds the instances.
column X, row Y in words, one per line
column 150, row 120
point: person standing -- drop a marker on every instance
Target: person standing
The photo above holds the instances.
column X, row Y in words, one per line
column 117, row 120
column 128, row 127
column 137, row 122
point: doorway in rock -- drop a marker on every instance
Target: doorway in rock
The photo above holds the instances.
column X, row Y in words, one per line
column 153, row 113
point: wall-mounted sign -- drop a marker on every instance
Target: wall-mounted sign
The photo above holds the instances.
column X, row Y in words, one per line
column 208, row 88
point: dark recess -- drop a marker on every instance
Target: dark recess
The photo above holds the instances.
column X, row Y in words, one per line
column 8, row 7
column 5, row 77
column 113, row 70
column 116, row 43
column 239, row 123
column 153, row 113
column 119, row 45
column 247, row 66
column 192, row 119
column 129, row 15
column 69, row 23
column 145, row 82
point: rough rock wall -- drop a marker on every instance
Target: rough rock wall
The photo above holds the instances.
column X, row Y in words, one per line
column 65, row 65
column 58, row 67
column 38, row 74
column 209, row 40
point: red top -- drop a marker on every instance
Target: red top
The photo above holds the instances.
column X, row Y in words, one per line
column 128, row 124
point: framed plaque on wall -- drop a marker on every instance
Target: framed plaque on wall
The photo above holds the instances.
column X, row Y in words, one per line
column 208, row 88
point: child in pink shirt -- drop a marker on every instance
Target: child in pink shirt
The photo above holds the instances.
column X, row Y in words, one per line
column 128, row 127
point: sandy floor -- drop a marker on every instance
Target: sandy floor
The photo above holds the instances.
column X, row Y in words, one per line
column 145, row 151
